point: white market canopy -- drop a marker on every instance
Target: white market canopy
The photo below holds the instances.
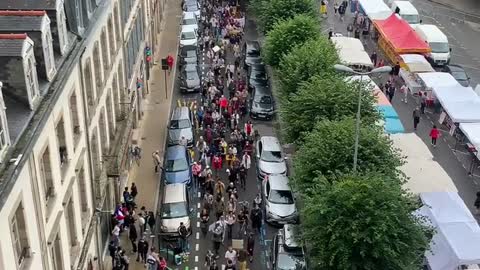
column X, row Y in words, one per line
column 457, row 238
column 437, row 79
column 424, row 174
column 375, row 9
column 472, row 132
column 462, row 104
column 351, row 52
column 416, row 63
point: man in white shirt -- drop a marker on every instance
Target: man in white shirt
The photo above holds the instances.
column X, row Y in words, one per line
column 231, row 254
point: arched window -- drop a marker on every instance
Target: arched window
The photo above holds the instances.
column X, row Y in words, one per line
column 105, row 53
column 111, row 38
column 97, row 67
column 89, row 85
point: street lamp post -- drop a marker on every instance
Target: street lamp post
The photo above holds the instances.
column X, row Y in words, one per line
column 343, row 68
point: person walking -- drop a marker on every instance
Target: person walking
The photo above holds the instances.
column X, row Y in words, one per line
column 152, row 260
column 242, row 259
column 209, row 259
column 423, row 101
column 132, row 235
column 391, row 92
column 231, row 255
column 323, row 8
column 196, row 170
column 250, row 246
column 133, row 191
column 170, row 63
column 416, row 117
column 373, row 57
column 183, row 234
column 142, row 250
column 434, row 134
column 156, row 160
column 218, row 233
column 404, row 91
column 256, row 218
column 230, row 219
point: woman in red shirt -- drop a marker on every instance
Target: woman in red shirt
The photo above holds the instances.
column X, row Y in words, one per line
column 434, row 134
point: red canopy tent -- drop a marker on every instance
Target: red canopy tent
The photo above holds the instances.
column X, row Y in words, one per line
column 397, row 37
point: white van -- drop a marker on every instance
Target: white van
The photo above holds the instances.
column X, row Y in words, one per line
column 407, row 11
column 175, row 209
column 188, row 36
column 437, row 41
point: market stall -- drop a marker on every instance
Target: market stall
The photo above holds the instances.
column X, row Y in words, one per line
column 432, row 80
column 456, row 242
column 397, row 37
column 352, row 53
column 471, row 132
column 424, row 174
column 412, row 64
column 375, row 9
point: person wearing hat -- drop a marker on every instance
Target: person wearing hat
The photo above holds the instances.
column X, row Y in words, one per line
column 196, row 170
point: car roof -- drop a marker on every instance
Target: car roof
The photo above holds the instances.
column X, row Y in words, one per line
column 278, row 182
column 189, row 15
column 174, row 193
column 258, row 66
column 261, row 90
column 270, row 143
column 176, row 152
column 288, row 236
column 252, row 45
column 181, row 113
column 190, row 67
column 188, row 28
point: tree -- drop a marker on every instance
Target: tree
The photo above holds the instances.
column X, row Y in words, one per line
column 325, row 96
column 363, row 223
column 271, row 11
column 314, row 57
column 328, row 151
column 286, row 35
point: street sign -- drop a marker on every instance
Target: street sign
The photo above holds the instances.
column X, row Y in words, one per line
column 164, row 64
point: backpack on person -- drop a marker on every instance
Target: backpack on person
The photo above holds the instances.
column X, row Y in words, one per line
column 218, row 232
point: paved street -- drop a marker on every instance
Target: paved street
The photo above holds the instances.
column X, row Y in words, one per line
column 454, row 163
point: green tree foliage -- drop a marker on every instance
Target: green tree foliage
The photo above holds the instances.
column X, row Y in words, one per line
column 328, row 151
column 363, row 223
column 314, row 57
column 286, row 35
column 324, row 97
column 270, row 12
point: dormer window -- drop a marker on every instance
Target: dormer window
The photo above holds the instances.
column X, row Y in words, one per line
column 4, row 134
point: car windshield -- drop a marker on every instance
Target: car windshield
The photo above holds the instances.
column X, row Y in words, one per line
column 290, row 262
column 180, row 124
column 192, row 8
column 189, row 21
column 263, row 100
column 174, row 210
column 253, row 53
column 176, row 165
column 192, row 75
column 272, row 156
column 188, row 35
column 411, row 18
column 439, row 47
column 191, row 54
column 190, row 68
column 281, row 196
column 459, row 75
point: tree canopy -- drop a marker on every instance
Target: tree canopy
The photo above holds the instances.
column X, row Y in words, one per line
column 324, row 97
column 286, row 35
column 270, row 12
column 328, row 151
column 363, row 223
column 314, row 57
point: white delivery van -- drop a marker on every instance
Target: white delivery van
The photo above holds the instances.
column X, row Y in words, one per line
column 407, row 11
column 438, row 42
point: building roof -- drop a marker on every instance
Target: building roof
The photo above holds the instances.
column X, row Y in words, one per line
column 21, row 20
column 12, row 44
column 28, row 4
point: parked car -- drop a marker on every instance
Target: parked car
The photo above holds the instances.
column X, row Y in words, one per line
column 287, row 254
column 188, row 36
column 189, row 18
column 187, row 55
column 278, row 200
column 458, row 73
column 257, row 82
column 177, row 165
column 192, row 6
column 257, row 74
column 269, row 157
column 190, row 78
column 262, row 103
column 175, row 209
column 252, row 53
column 180, row 125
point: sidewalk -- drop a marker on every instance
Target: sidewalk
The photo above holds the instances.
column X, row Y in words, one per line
column 153, row 127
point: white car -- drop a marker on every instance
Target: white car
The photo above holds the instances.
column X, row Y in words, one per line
column 192, row 6
column 188, row 36
column 279, row 200
column 189, row 18
column 269, row 157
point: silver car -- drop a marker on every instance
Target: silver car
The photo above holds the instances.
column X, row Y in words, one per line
column 190, row 78
column 180, row 126
column 269, row 157
column 279, row 202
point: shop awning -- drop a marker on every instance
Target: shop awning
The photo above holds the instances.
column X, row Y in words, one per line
column 438, row 79
column 416, row 63
column 472, row 132
column 401, row 35
column 351, row 52
column 464, row 112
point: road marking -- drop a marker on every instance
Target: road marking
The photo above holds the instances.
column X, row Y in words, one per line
column 198, row 224
column 196, row 258
column 196, row 268
column 198, row 215
column 197, row 235
column 223, row 266
column 197, row 247
column 199, row 194
column 198, row 205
